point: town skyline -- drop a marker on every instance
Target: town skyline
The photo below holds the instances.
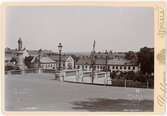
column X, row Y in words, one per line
column 112, row 28
column 80, row 52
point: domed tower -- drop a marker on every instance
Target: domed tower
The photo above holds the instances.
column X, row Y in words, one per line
column 19, row 54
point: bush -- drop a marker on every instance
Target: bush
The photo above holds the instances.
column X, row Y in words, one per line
column 130, row 83
column 133, row 79
column 7, row 68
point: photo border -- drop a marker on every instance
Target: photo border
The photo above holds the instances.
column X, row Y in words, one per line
column 159, row 52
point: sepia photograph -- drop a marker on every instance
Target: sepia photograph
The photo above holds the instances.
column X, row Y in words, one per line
column 79, row 59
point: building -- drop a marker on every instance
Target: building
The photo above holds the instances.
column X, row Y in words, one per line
column 83, row 63
column 122, row 65
column 43, row 62
column 112, row 62
column 47, row 63
column 67, row 62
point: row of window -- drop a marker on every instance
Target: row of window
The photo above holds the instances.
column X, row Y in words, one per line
column 111, row 67
column 48, row 65
column 124, row 67
column 97, row 67
column 82, row 66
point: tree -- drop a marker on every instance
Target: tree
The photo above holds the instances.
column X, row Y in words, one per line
column 146, row 60
column 39, row 57
column 130, row 75
column 27, row 61
column 131, row 56
column 13, row 60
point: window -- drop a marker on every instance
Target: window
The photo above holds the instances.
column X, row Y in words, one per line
column 78, row 66
column 82, row 66
column 113, row 67
column 129, row 67
column 116, row 67
column 108, row 67
column 69, row 66
column 120, row 67
column 86, row 66
column 133, row 67
column 125, row 67
column 104, row 67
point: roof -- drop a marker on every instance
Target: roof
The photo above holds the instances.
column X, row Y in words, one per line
column 56, row 58
column 85, row 60
column 100, row 61
column 119, row 61
column 46, row 60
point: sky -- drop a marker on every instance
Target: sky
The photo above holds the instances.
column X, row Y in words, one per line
column 119, row 29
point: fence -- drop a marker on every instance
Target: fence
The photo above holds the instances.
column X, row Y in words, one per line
column 130, row 83
column 27, row 71
column 79, row 75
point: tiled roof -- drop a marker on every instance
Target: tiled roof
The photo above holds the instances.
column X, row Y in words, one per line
column 120, row 61
column 46, row 60
column 100, row 61
column 114, row 61
column 83, row 61
column 56, row 58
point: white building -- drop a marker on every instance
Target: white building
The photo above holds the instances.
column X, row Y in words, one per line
column 113, row 64
column 69, row 63
column 47, row 63
column 122, row 65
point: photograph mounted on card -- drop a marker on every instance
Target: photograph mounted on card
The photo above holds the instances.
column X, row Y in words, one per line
column 83, row 57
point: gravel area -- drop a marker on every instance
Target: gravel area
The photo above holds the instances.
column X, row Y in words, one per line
column 40, row 92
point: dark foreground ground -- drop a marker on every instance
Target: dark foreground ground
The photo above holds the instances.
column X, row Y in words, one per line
column 32, row 92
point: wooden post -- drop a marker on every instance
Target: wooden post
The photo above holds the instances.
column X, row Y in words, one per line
column 147, row 84
column 125, row 83
column 39, row 70
column 76, row 76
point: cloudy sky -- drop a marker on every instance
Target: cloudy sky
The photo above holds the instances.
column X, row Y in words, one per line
column 116, row 29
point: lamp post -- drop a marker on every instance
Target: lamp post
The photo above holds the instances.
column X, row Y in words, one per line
column 60, row 49
column 106, row 53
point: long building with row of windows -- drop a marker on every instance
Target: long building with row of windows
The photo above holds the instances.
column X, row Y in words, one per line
column 116, row 63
